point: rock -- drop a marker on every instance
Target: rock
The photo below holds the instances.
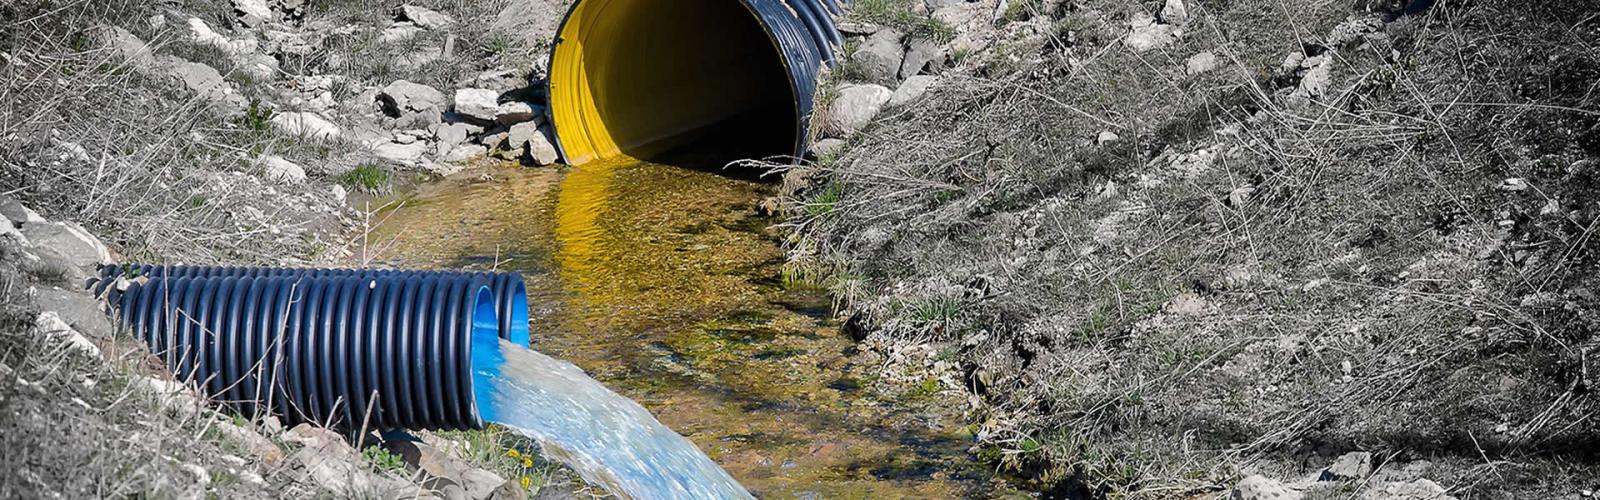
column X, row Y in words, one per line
column 311, row 436
column 406, row 154
column 922, row 53
column 201, row 33
column 50, row 324
column 399, row 32
column 18, row 213
column 1258, row 487
column 450, row 135
column 1201, row 63
column 857, row 29
column 1106, row 137
column 477, row 104
column 827, row 147
column 1514, row 184
column 912, row 89
column 199, row 78
column 1175, row 13
column 1240, row 195
column 1317, row 77
column 125, row 45
column 77, row 310
column 252, row 13
column 1348, row 467
column 1145, row 34
column 521, row 133
column 881, row 55
column 853, row 107
column 251, row 441
column 480, row 484
column 496, row 139
column 304, row 124
column 426, row 18
column 541, row 150
column 337, row 467
column 514, row 112
column 403, row 98
column 1421, row 489
column 464, row 152
column 70, row 241
column 276, row 167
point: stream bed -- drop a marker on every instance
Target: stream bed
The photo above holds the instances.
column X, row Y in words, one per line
column 662, row 283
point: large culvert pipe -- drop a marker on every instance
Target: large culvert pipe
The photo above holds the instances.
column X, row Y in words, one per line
column 642, row 78
column 354, row 351
column 510, row 293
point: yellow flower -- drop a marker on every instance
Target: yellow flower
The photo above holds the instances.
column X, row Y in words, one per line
column 527, row 462
column 513, row 454
column 526, row 482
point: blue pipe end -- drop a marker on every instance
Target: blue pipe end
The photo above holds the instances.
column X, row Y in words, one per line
column 519, row 333
column 486, row 356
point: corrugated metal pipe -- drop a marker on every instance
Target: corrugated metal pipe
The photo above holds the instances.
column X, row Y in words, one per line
column 641, row 78
column 355, row 349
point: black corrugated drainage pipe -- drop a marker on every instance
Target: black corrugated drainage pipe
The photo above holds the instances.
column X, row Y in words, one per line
column 510, row 293
column 355, row 350
column 641, row 78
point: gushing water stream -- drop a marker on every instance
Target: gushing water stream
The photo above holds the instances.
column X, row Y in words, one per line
column 609, row 439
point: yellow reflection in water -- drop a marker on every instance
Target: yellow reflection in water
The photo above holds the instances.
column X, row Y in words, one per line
column 581, row 201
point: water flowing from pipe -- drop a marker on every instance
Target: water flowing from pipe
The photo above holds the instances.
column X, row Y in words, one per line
column 609, row 439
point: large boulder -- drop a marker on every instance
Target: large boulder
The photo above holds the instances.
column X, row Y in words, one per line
column 853, row 107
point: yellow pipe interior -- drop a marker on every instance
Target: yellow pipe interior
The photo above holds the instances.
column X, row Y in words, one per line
column 646, row 78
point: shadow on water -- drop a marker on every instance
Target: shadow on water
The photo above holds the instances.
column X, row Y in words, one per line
column 660, row 282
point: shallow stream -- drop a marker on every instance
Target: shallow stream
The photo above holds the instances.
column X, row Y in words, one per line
column 662, row 283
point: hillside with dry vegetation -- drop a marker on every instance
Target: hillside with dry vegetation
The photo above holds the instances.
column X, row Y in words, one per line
column 1169, row 245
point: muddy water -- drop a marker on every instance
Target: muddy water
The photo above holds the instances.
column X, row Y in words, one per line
column 662, row 283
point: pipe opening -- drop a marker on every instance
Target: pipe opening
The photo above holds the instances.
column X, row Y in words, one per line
column 519, row 333
column 486, row 358
column 687, row 78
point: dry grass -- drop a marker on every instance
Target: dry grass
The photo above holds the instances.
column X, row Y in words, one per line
column 164, row 176
column 79, row 426
column 1270, row 281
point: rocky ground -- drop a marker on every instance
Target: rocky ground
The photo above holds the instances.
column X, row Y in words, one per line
column 250, row 131
column 1166, row 248
column 1196, row 248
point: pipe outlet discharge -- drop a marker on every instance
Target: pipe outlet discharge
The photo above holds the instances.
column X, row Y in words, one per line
column 642, row 78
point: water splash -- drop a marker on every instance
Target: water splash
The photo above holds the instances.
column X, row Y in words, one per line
column 609, row 439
